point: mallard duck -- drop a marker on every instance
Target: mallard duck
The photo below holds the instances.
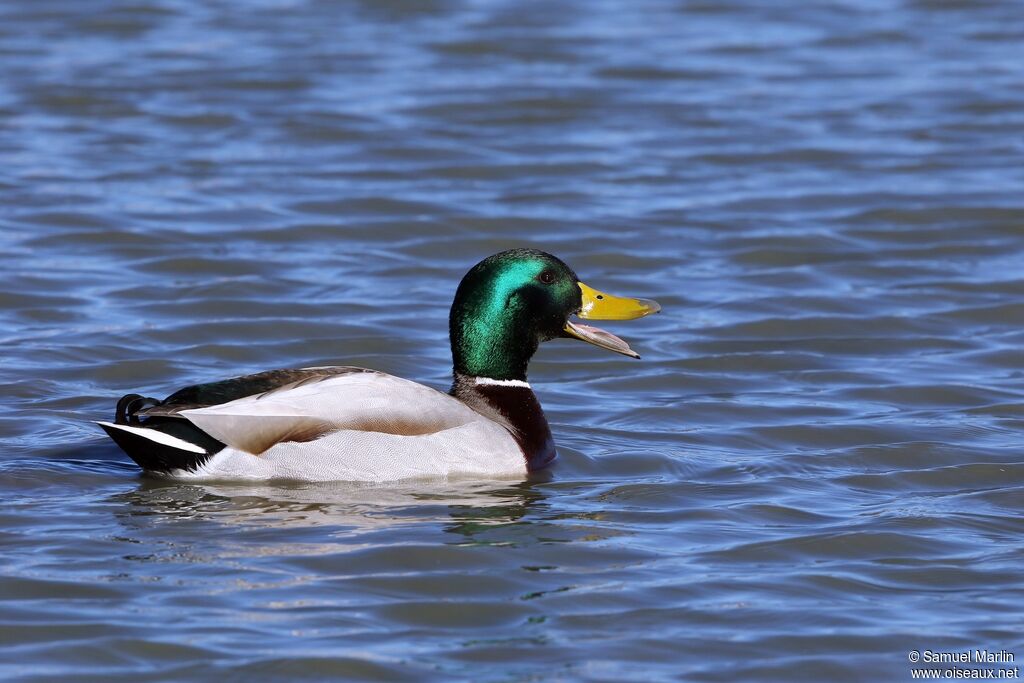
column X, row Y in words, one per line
column 340, row 423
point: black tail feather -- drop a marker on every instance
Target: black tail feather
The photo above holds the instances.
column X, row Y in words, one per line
column 150, row 454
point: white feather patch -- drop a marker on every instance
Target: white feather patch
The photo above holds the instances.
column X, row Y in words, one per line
column 157, row 437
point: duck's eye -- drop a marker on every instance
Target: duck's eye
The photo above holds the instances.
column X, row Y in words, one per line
column 547, row 277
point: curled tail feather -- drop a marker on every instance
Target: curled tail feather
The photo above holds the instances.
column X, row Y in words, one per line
column 128, row 407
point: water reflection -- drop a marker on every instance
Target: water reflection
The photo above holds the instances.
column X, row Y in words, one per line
column 461, row 507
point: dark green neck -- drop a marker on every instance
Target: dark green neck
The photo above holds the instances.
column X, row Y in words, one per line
column 488, row 341
column 492, row 327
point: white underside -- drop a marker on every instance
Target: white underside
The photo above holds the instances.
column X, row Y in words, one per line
column 363, row 427
column 472, row 450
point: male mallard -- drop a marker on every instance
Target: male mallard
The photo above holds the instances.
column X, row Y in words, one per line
column 351, row 424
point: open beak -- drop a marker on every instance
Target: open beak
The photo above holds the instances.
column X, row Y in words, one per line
column 600, row 306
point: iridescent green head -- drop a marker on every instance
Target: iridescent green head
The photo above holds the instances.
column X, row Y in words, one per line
column 509, row 303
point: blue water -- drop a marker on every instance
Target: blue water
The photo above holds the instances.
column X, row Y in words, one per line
column 815, row 469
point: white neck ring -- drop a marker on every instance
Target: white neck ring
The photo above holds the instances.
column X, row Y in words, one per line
column 491, row 382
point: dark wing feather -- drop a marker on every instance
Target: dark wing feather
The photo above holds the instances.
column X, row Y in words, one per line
column 215, row 393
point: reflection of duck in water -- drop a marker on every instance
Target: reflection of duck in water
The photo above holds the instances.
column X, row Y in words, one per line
column 464, row 507
column 344, row 423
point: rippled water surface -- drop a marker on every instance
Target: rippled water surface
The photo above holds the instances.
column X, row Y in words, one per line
column 816, row 468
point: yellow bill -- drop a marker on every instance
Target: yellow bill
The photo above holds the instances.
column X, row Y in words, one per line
column 600, row 306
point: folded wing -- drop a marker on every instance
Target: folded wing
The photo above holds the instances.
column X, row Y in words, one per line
column 309, row 409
